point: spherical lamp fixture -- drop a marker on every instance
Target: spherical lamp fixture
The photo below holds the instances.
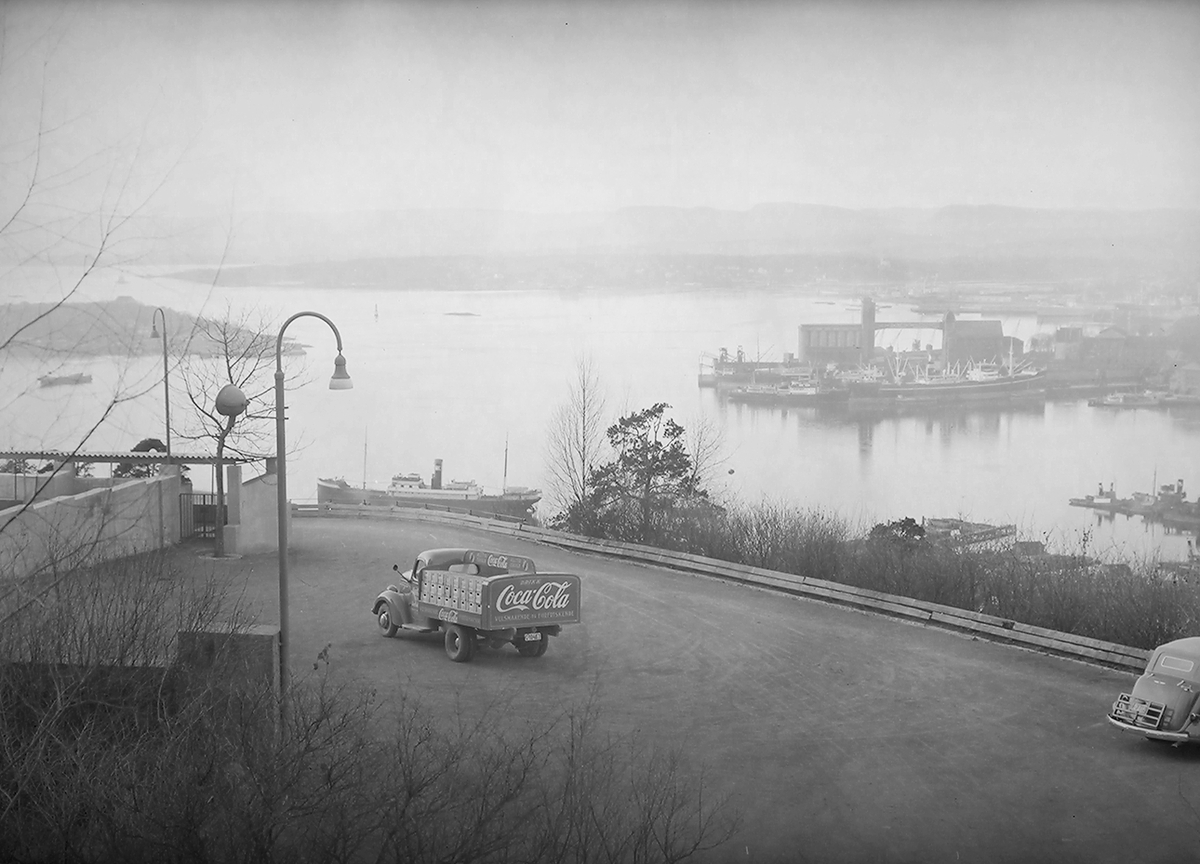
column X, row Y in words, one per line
column 231, row 401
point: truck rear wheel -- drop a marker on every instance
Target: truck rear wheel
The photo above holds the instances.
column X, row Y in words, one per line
column 460, row 643
column 534, row 649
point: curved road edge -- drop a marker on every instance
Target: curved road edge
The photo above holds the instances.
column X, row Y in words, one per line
column 991, row 627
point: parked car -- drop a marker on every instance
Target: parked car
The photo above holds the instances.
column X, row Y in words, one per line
column 479, row 598
column 1164, row 703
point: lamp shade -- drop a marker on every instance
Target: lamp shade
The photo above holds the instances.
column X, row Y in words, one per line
column 341, row 378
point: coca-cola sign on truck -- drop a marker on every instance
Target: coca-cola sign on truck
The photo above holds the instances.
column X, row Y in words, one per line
column 544, row 598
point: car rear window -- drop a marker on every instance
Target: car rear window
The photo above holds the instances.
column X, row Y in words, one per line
column 1175, row 664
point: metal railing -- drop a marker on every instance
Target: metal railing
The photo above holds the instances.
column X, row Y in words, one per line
column 198, row 515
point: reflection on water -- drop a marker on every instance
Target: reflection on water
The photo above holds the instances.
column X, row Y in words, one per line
column 1017, row 463
column 458, row 387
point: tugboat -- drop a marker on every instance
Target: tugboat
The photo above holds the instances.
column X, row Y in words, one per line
column 1102, row 500
column 1145, row 399
column 1168, row 505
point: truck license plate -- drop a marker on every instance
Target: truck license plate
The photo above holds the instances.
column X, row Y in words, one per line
column 533, row 637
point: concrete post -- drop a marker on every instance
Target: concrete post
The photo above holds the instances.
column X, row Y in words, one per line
column 233, row 493
column 170, row 481
column 233, row 499
column 68, row 473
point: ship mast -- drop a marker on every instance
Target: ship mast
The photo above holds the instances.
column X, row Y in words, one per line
column 364, row 458
column 504, row 482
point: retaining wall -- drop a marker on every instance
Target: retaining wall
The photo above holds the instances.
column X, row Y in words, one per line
column 987, row 626
column 97, row 525
column 23, row 487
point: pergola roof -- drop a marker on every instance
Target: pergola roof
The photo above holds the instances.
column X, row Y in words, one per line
column 151, row 458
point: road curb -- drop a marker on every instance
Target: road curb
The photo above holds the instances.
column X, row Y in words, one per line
column 991, row 627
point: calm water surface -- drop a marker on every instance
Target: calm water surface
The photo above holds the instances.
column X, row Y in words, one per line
column 456, row 375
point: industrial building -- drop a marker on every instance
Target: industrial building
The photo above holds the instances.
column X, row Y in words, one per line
column 848, row 344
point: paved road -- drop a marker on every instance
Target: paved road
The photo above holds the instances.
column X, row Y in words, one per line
column 844, row 736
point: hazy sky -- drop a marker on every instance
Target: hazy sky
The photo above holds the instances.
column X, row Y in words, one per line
column 582, row 106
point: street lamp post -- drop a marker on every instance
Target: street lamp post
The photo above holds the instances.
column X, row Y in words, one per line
column 162, row 528
column 339, row 381
column 166, row 385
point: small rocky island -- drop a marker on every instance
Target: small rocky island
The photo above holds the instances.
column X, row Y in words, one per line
column 122, row 327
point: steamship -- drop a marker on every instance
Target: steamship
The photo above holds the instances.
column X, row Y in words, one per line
column 410, row 490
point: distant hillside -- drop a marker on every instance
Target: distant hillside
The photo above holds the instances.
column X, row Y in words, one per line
column 637, row 272
column 767, row 229
column 985, row 242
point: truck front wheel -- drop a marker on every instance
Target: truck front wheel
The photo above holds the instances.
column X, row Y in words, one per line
column 385, row 622
column 460, row 643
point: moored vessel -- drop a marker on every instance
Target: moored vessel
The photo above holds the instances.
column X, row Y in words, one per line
column 61, row 380
column 974, row 384
column 1143, row 399
column 1168, row 504
column 797, row 392
column 410, row 490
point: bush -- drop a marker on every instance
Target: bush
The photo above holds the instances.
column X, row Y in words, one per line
column 1071, row 593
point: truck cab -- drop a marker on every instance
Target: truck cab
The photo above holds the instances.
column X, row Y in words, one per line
column 479, row 598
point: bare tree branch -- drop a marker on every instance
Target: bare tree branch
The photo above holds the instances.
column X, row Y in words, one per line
column 576, row 438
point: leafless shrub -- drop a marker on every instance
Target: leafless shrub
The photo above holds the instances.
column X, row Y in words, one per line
column 200, row 765
column 86, row 675
column 1129, row 603
column 613, row 799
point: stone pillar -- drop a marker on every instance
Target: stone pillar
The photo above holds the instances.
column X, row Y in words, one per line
column 233, row 499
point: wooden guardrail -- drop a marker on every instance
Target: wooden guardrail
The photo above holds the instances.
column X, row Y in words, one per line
column 964, row 620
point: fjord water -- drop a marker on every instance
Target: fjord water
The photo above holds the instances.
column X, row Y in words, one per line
column 461, row 375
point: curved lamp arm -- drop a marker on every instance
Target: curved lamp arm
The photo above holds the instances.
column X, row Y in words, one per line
column 279, row 338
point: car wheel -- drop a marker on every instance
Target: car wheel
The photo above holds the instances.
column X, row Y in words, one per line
column 385, row 622
column 460, row 644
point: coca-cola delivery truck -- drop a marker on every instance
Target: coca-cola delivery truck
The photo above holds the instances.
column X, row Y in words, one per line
column 479, row 598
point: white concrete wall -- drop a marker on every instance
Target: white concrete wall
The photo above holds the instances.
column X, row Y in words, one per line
column 98, row 525
column 259, row 529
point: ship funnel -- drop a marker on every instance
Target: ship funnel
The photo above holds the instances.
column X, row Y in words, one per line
column 437, row 474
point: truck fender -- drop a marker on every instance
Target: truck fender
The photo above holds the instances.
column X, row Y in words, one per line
column 398, row 603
